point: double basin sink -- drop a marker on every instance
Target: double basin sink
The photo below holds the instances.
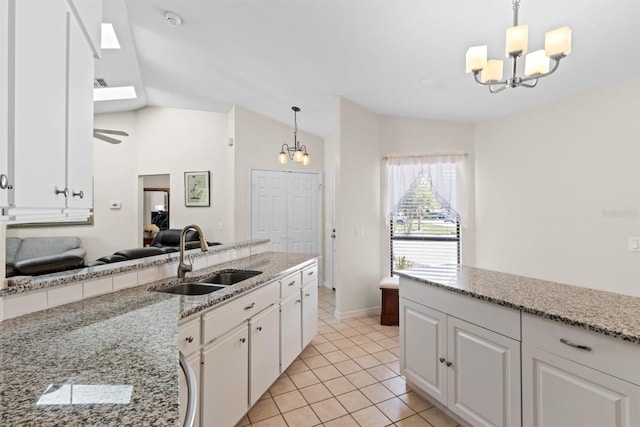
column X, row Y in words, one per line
column 219, row 280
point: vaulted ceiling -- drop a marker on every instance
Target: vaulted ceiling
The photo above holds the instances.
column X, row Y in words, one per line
column 395, row 57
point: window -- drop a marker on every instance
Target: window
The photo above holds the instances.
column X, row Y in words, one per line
column 425, row 231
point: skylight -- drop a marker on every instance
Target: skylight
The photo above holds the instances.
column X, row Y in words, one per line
column 114, row 93
column 109, row 38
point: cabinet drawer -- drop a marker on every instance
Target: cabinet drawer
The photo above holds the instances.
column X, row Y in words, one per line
column 610, row 355
column 310, row 274
column 189, row 337
column 503, row 320
column 220, row 320
column 290, row 285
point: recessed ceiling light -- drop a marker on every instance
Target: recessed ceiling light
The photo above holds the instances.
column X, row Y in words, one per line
column 172, row 18
column 109, row 38
column 114, row 93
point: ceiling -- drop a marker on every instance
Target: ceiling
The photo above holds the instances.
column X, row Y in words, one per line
column 267, row 55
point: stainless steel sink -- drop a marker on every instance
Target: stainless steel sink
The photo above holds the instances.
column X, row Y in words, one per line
column 191, row 289
column 230, row 276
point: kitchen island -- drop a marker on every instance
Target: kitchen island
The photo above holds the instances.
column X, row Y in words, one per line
column 111, row 359
column 499, row 349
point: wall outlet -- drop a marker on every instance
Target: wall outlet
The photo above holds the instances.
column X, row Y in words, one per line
column 634, row 244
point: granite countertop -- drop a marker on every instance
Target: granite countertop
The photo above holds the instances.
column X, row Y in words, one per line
column 111, row 360
column 608, row 313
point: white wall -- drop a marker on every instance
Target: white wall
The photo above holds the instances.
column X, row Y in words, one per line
column 401, row 135
column 174, row 141
column 258, row 140
column 558, row 190
column 358, row 207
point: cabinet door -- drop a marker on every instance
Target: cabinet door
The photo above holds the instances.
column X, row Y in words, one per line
column 560, row 393
column 80, row 118
column 39, row 72
column 225, row 378
column 4, row 101
column 194, row 361
column 484, row 375
column 422, row 346
column 290, row 330
column 264, row 354
column 309, row 313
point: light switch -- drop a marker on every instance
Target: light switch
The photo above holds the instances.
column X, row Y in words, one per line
column 634, row 244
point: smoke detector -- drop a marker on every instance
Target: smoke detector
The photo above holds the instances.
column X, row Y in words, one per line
column 172, row 18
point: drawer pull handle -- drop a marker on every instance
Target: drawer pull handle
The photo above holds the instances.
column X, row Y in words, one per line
column 189, row 339
column 249, row 307
column 448, row 363
column 242, row 340
column 292, row 283
column 574, row 345
column 310, row 273
column 442, row 360
column 259, row 328
column 307, row 295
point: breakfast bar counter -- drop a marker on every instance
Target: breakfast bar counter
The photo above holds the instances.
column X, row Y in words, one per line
column 111, row 359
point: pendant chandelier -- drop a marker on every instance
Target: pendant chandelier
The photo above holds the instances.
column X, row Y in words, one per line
column 297, row 153
column 557, row 45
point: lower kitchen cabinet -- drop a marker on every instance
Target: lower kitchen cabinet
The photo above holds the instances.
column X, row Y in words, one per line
column 290, row 330
column 575, row 377
column 471, row 370
column 225, row 378
column 309, row 312
column 264, row 355
column 561, row 393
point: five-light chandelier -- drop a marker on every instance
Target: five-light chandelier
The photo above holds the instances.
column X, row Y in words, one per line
column 297, row 153
column 557, row 45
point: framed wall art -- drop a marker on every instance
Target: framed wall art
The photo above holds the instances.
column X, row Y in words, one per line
column 196, row 189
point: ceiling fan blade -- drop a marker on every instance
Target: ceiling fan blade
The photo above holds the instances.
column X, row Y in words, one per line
column 111, row 132
column 106, row 138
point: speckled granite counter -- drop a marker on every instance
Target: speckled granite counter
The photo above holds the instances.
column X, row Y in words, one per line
column 604, row 312
column 125, row 342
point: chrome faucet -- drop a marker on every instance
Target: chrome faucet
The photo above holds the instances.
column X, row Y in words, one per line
column 182, row 267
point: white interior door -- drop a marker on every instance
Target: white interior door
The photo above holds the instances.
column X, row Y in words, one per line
column 268, row 208
column 285, row 207
column 303, row 203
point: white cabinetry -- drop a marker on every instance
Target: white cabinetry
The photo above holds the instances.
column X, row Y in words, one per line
column 48, row 69
column 39, row 105
column 309, row 313
column 4, row 104
column 225, row 378
column 264, row 361
column 470, row 369
column 573, row 377
column 290, row 329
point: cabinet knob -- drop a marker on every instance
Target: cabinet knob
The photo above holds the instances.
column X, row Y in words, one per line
column 189, row 339
column 448, row 363
column 298, row 300
column 64, row 192
column 442, row 360
column 249, row 307
column 242, row 340
column 259, row 328
column 307, row 295
column 78, row 194
column 310, row 273
column 4, row 182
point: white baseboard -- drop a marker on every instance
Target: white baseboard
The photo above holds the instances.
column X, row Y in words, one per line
column 326, row 285
column 372, row 311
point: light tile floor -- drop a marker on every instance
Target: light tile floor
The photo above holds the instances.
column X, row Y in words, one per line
column 348, row 376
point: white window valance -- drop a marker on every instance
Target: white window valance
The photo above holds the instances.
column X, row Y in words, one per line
column 445, row 171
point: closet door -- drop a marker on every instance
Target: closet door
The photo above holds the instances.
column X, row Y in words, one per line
column 268, row 208
column 303, row 204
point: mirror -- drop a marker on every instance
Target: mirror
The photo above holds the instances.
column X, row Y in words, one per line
column 155, row 211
